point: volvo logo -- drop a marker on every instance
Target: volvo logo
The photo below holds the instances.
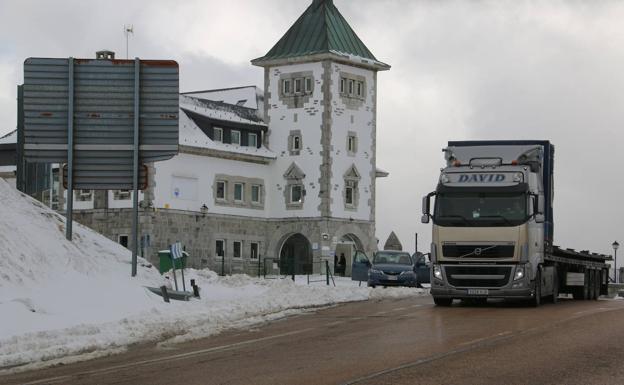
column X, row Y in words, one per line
column 477, row 251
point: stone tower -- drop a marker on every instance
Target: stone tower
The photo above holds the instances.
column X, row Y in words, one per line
column 320, row 85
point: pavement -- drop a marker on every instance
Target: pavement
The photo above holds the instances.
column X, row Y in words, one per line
column 405, row 341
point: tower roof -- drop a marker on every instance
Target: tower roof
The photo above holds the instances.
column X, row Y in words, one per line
column 320, row 30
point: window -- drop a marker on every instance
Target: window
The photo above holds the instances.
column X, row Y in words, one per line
column 253, row 252
column 308, row 85
column 350, row 192
column 296, row 193
column 219, row 248
column 253, row 140
column 360, row 89
column 239, row 192
column 255, row 193
column 217, row 135
column 123, row 240
column 296, row 143
column 235, row 137
column 350, row 87
column 286, row 87
column 342, row 85
column 83, row 195
column 121, row 195
column 351, row 143
column 237, row 249
column 221, row 189
column 298, row 85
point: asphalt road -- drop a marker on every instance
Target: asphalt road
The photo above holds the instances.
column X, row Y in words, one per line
column 407, row 341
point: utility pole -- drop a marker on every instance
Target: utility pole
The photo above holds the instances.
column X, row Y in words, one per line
column 128, row 29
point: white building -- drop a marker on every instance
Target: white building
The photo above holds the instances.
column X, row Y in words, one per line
column 286, row 174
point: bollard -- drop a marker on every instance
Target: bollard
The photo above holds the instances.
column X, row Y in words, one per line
column 195, row 289
column 165, row 295
column 327, row 272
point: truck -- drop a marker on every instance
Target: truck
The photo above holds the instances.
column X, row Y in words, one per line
column 492, row 231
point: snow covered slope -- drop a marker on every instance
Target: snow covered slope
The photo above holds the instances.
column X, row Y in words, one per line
column 62, row 301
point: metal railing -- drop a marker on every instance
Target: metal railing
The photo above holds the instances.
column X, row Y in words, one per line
column 328, row 274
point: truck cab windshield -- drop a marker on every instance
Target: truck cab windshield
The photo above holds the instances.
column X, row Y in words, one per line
column 469, row 209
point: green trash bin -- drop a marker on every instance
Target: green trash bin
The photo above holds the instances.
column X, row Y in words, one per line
column 164, row 257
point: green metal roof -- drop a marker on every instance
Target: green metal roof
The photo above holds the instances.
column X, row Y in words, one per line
column 320, row 29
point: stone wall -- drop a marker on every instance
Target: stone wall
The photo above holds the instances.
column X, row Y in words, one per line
column 198, row 234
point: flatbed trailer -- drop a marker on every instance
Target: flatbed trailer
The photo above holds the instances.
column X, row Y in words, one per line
column 583, row 274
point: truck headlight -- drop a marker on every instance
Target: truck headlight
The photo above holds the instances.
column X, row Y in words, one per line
column 519, row 273
column 437, row 272
column 518, row 177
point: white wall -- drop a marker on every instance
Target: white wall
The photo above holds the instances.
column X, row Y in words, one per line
column 362, row 125
column 309, row 159
column 185, row 170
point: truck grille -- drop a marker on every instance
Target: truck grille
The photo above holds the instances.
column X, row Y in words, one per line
column 478, row 276
column 478, row 251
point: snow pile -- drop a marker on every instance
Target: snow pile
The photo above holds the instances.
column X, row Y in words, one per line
column 60, row 299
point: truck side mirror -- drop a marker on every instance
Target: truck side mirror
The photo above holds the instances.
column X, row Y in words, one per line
column 426, row 202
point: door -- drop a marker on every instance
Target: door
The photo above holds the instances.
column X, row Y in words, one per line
column 359, row 267
column 423, row 267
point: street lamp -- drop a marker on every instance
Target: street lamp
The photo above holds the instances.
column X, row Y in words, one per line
column 615, row 247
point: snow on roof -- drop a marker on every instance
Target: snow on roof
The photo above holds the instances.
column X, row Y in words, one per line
column 192, row 135
column 9, row 138
column 221, row 111
column 246, row 96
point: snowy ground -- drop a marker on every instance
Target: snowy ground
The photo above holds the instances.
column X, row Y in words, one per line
column 64, row 301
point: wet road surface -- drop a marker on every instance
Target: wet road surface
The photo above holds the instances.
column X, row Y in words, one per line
column 406, row 341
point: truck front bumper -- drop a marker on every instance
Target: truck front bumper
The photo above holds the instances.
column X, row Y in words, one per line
column 508, row 288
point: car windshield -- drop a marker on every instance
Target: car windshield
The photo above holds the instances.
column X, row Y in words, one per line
column 392, row 258
column 480, row 209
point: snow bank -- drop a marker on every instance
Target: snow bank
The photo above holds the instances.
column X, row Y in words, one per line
column 63, row 301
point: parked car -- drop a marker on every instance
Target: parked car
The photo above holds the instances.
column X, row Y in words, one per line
column 389, row 268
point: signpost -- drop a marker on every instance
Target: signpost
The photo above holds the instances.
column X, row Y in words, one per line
column 104, row 118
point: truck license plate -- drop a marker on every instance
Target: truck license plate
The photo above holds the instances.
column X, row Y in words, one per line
column 478, row 291
column 392, row 278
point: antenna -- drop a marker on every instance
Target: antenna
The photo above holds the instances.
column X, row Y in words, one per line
column 128, row 29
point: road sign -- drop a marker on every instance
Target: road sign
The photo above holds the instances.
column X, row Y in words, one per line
column 103, row 117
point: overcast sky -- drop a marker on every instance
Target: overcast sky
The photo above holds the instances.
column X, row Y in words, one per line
column 460, row 70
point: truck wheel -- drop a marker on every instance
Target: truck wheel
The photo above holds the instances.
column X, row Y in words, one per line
column 591, row 283
column 439, row 301
column 598, row 282
column 555, row 293
column 586, row 285
column 537, row 297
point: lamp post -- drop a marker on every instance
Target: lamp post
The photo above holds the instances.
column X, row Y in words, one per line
column 615, row 247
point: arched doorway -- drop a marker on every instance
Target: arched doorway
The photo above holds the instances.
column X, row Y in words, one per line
column 296, row 251
column 346, row 247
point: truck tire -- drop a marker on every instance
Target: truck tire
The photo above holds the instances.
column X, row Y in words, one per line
column 596, row 284
column 592, row 284
column 537, row 297
column 586, row 285
column 554, row 298
column 440, row 301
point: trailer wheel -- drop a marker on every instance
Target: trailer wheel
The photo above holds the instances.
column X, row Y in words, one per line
column 440, row 301
column 555, row 290
column 596, row 284
column 591, row 282
column 586, row 285
column 537, row 298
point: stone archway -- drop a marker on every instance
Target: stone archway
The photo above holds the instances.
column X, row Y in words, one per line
column 296, row 251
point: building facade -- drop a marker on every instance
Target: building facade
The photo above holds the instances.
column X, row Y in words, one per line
column 282, row 178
